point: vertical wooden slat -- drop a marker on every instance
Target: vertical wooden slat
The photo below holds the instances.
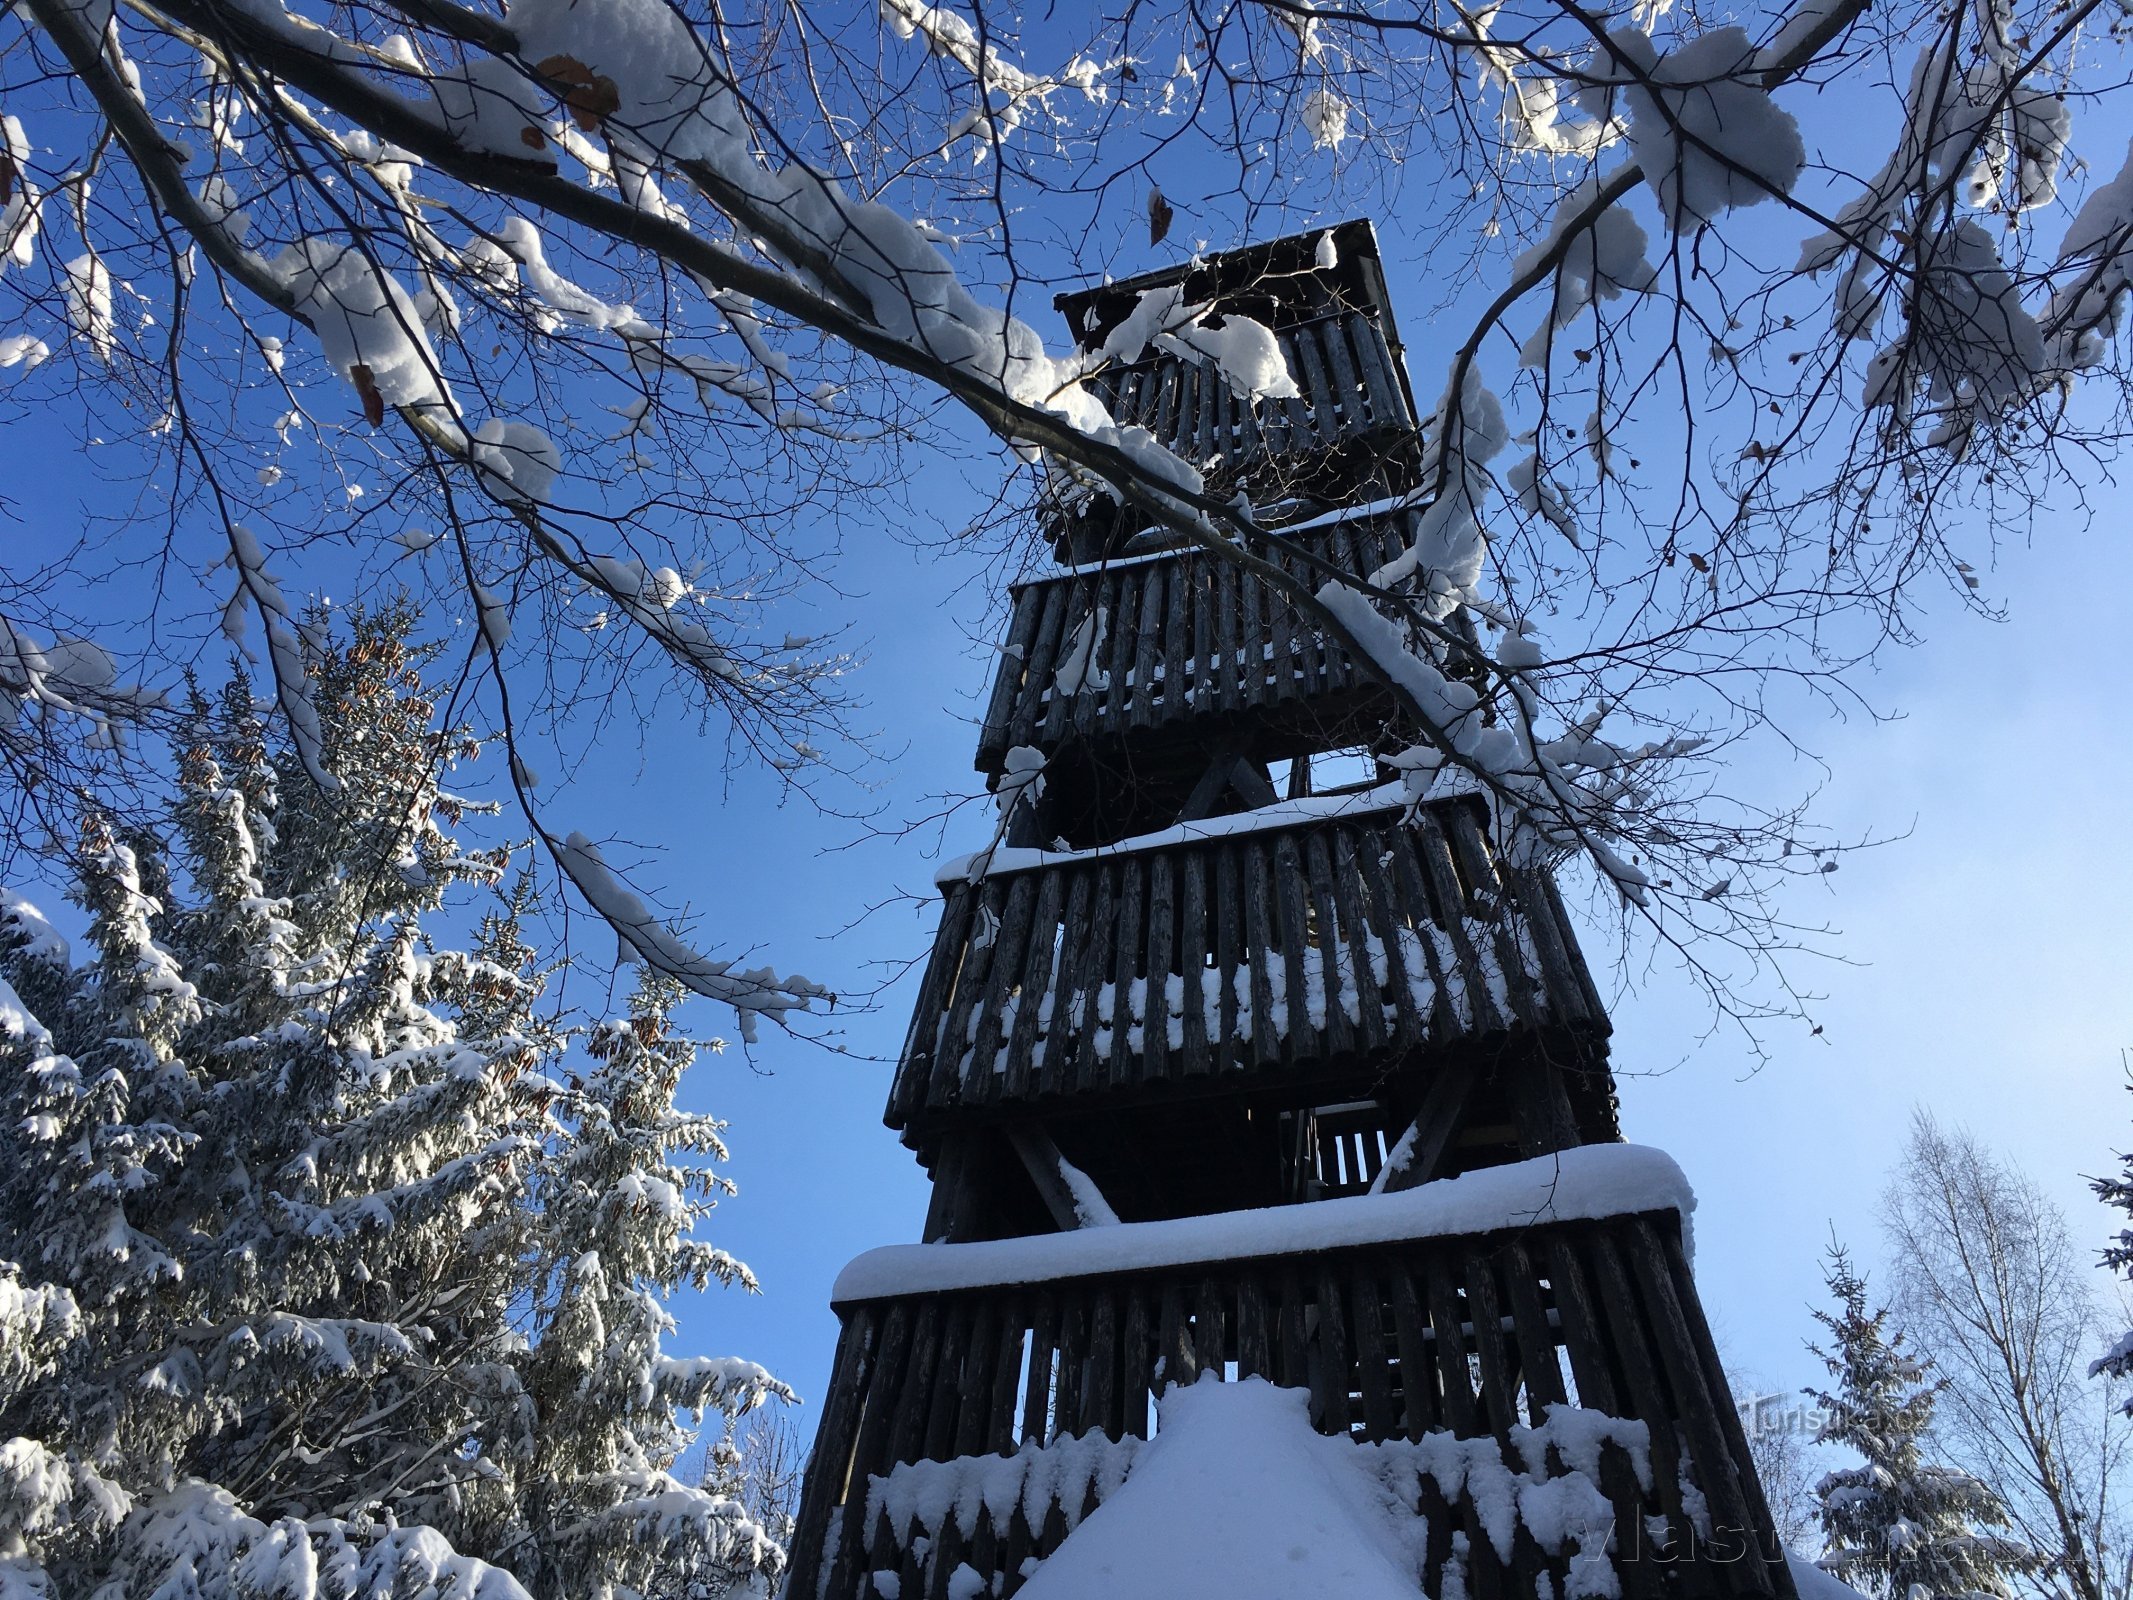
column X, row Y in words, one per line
column 1010, row 674
column 835, row 1439
column 1255, row 1353
column 1351, row 904
column 1085, row 1069
column 1155, row 579
column 1295, row 936
column 1329, row 1372
column 1178, row 581
column 1130, row 948
column 1137, row 1359
column 1040, row 940
column 1156, row 944
column 1062, row 1041
column 1043, row 661
column 1258, row 948
column 1010, row 944
column 1192, row 963
column 1373, row 1365
column 1339, row 1031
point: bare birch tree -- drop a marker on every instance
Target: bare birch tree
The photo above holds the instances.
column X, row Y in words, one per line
column 1988, row 1280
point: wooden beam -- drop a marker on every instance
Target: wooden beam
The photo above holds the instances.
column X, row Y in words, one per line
column 1436, row 1125
column 1047, row 1170
column 1230, row 770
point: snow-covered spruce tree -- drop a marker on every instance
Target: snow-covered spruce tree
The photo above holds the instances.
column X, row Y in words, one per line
column 618, row 1203
column 1898, row 1526
column 269, row 1170
column 2117, row 1192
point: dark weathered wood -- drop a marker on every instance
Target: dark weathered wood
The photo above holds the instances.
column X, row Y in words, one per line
column 1131, row 939
column 1041, row 1159
column 1437, row 1124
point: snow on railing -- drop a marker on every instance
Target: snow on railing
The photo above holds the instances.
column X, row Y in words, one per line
column 1586, row 1183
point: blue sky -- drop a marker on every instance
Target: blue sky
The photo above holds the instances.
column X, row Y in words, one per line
column 1984, row 955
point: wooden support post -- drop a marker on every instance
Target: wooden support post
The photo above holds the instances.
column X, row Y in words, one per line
column 1435, row 1128
column 1047, row 1170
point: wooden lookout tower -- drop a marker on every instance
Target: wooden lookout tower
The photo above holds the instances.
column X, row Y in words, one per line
column 1236, row 1058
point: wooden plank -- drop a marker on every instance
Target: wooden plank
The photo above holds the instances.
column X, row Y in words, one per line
column 1040, row 940
column 1229, row 682
column 1073, row 1360
column 970, row 987
column 1038, row 1382
column 1499, row 1379
column 1351, row 904
column 1318, row 864
column 1042, row 664
column 1062, row 711
column 1101, row 1406
column 1728, row 1413
column 1282, row 665
column 1445, row 1018
column 835, row 1437
column 1292, row 1354
column 1010, row 947
column 1000, row 1437
column 914, row 1068
column 1138, row 1358
column 1192, row 965
column 1009, row 675
column 1419, row 1411
column 1148, row 643
column 1062, row 1039
column 1041, row 1159
column 1255, row 1351
column 1304, row 1042
column 1454, row 1384
column 1156, row 943
column 914, row 1407
column 1259, row 948
column 1329, row 1372
column 1718, row 1471
column 1530, row 1333
column 1209, row 1342
column 1178, row 578
column 1299, row 435
column 1207, row 399
column 1388, row 401
column 1341, row 374
column 1231, row 948
column 1176, row 1357
column 1124, row 588
column 1204, row 664
column 944, row 1415
column 1085, row 1069
column 1131, row 942
column 1372, row 848
column 1435, row 854
column 1592, row 1369
column 1630, row 1338
column 1327, row 416
column 1373, row 1365
column 1252, row 596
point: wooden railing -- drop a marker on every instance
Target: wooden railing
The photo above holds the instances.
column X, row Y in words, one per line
column 1155, row 643
column 1318, row 950
column 1477, row 1336
column 1346, row 387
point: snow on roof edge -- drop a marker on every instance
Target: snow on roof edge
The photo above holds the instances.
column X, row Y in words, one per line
column 1581, row 1184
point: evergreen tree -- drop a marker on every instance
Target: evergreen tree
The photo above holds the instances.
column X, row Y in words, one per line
column 1898, row 1526
column 321, row 1275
